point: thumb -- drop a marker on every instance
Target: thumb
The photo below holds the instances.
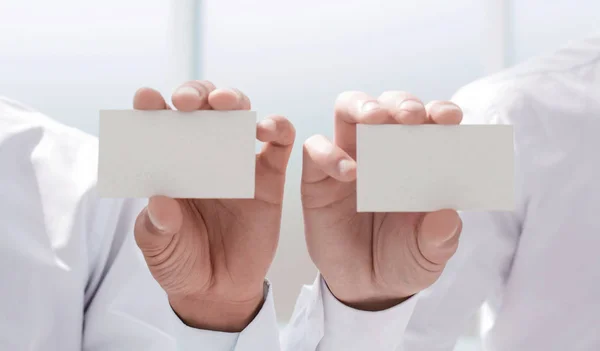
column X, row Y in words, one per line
column 438, row 236
column 156, row 225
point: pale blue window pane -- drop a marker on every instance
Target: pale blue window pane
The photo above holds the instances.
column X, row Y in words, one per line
column 70, row 58
column 540, row 26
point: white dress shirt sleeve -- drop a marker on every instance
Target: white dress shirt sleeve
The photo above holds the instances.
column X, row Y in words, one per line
column 475, row 274
column 321, row 322
column 478, row 271
column 261, row 334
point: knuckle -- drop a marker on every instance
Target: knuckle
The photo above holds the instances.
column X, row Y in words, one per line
column 208, row 85
column 344, row 95
column 143, row 90
column 396, row 93
column 288, row 135
column 398, row 96
column 433, row 103
column 348, row 96
column 285, row 127
column 201, row 88
column 280, row 121
column 238, row 92
column 311, row 140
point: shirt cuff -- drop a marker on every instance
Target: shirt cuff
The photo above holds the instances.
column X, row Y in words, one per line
column 347, row 328
column 263, row 330
column 322, row 322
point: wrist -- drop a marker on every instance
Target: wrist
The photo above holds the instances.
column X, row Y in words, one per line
column 217, row 314
column 373, row 304
column 372, row 300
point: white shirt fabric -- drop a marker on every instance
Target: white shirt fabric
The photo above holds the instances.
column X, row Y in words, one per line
column 72, row 278
column 537, row 268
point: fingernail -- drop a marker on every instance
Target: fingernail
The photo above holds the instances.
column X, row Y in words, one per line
column 369, row 106
column 411, row 106
column 237, row 93
column 345, row 166
column 455, row 225
column 154, row 220
column 443, row 225
column 454, row 232
column 445, row 108
column 186, row 90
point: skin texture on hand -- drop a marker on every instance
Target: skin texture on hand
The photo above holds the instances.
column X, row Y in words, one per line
column 211, row 255
column 372, row 261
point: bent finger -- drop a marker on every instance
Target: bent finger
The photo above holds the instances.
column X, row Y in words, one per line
column 443, row 112
column 324, row 159
column 404, row 107
column 192, row 96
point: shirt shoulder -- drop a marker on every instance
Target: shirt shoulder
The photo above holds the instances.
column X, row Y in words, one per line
column 51, row 149
column 541, row 90
column 553, row 104
column 52, row 169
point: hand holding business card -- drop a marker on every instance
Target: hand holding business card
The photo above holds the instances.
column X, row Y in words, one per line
column 211, row 226
column 380, row 200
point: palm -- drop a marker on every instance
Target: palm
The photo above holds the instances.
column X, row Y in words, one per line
column 376, row 243
column 222, row 245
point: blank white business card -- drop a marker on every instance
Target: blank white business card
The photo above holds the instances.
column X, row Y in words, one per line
column 201, row 154
column 404, row 168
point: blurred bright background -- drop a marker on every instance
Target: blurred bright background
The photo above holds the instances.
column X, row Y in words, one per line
column 71, row 58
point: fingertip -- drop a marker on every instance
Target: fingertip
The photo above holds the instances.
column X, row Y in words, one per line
column 438, row 236
column 444, row 112
column 164, row 214
column 318, row 145
column 442, row 225
column 370, row 112
column 226, row 99
column 148, row 99
column 266, row 130
column 347, row 170
column 285, row 127
column 277, row 129
column 267, row 125
column 330, row 159
column 410, row 112
column 187, row 98
column 358, row 107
